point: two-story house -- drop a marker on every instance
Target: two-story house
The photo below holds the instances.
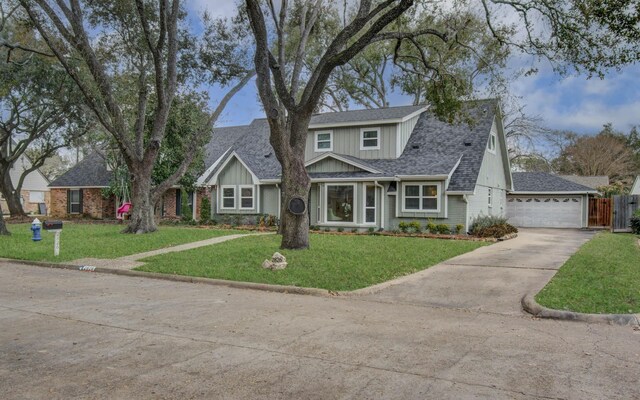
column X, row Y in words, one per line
column 370, row 168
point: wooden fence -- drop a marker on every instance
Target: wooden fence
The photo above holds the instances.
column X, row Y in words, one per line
column 623, row 208
column 600, row 212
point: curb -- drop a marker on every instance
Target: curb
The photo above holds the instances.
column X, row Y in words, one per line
column 530, row 305
column 183, row 278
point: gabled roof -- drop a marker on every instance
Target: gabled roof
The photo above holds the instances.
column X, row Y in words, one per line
column 542, row 182
column 90, row 172
column 388, row 115
column 593, row 182
column 347, row 159
column 435, row 148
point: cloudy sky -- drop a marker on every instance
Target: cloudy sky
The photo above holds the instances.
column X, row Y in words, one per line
column 572, row 103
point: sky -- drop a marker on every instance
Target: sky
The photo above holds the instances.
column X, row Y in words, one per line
column 573, row 102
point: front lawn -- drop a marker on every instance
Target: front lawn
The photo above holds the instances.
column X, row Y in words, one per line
column 602, row 277
column 333, row 262
column 96, row 241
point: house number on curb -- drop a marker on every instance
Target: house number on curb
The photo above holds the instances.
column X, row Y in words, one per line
column 297, row 206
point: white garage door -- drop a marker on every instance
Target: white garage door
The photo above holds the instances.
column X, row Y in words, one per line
column 545, row 211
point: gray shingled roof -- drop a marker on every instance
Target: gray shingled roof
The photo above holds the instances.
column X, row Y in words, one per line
column 593, row 182
column 379, row 114
column 90, row 172
column 434, row 148
column 545, row 183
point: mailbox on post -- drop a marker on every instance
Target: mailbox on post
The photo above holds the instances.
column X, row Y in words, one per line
column 54, row 227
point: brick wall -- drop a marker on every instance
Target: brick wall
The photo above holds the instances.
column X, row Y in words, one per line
column 58, row 203
column 93, row 205
column 200, row 194
column 109, row 208
column 169, row 204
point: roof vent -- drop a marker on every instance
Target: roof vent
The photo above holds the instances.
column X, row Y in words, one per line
column 415, row 146
column 467, row 143
column 267, row 155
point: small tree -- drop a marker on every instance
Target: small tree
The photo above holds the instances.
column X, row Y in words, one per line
column 185, row 210
column 205, row 210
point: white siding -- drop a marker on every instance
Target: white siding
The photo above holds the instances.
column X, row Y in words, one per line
column 34, row 181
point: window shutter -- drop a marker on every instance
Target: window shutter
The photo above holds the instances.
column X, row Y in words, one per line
column 178, row 203
column 81, row 205
column 68, row 201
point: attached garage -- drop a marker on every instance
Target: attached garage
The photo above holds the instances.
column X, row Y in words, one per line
column 541, row 200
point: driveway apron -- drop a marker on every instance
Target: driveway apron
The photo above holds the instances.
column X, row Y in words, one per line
column 490, row 279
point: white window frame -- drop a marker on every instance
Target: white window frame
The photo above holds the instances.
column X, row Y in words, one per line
column 493, row 143
column 40, row 199
column 421, row 197
column 326, row 204
column 364, row 204
column 240, row 197
column 362, row 139
column 315, row 141
column 222, row 197
column 490, row 197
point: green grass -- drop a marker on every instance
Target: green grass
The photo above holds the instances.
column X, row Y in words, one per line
column 333, row 262
column 602, row 277
column 96, row 241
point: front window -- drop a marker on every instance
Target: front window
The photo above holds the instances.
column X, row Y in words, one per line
column 340, row 203
column 74, row 201
column 370, row 205
column 246, row 197
column 324, row 141
column 370, row 139
column 421, row 197
column 36, row 197
column 229, row 197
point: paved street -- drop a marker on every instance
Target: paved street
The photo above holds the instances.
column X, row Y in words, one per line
column 69, row 334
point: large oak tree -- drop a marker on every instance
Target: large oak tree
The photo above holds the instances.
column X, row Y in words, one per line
column 129, row 59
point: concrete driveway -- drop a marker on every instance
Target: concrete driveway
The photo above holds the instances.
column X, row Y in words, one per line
column 491, row 279
column 69, row 334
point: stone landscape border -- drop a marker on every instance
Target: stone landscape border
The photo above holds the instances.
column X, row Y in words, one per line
column 530, row 305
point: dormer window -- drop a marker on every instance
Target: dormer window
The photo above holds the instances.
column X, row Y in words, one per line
column 324, row 141
column 370, row 139
column 491, row 145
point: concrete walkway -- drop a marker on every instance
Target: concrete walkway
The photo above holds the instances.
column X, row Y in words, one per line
column 490, row 279
column 132, row 261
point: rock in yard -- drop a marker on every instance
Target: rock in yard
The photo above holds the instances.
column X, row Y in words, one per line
column 278, row 258
column 278, row 261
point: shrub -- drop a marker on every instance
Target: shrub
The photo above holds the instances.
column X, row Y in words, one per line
column 185, row 210
column 410, row 227
column 314, row 228
column 340, row 229
column 371, row 230
column 327, row 230
column 404, row 227
column 354, row 230
column 431, row 227
column 443, row 229
column 491, row 226
column 459, row 228
column 635, row 222
column 205, row 210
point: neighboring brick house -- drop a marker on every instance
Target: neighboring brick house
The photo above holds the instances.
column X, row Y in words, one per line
column 78, row 193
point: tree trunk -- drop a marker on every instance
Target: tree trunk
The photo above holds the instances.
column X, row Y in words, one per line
column 3, row 227
column 11, row 195
column 142, row 213
column 295, row 184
